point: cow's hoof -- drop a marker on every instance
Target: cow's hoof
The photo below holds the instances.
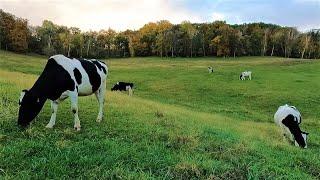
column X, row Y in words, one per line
column 49, row 126
column 77, row 128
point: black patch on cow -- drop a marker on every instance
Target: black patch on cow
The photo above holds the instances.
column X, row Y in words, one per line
column 91, row 70
column 77, row 75
column 101, row 68
column 294, row 128
column 53, row 81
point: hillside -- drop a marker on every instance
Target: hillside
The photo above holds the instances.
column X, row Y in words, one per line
column 181, row 122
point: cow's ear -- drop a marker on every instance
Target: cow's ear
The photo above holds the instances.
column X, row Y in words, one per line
column 22, row 94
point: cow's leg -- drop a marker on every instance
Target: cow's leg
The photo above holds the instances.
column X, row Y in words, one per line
column 100, row 95
column 130, row 91
column 54, row 108
column 74, row 108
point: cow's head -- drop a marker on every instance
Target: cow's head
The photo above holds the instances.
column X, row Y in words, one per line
column 115, row 87
column 241, row 76
column 30, row 106
column 301, row 140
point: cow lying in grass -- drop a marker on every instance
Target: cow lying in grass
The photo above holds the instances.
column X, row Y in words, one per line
column 289, row 119
column 63, row 77
column 210, row 69
column 245, row 74
column 123, row 86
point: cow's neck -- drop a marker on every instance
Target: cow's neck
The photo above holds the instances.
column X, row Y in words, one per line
column 39, row 91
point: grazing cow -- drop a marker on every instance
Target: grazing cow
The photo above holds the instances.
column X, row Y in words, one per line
column 63, row 77
column 245, row 74
column 289, row 119
column 123, row 86
column 210, row 69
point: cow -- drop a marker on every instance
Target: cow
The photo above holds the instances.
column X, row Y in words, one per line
column 245, row 74
column 289, row 119
column 123, row 86
column 210, row 69
column 61, row 78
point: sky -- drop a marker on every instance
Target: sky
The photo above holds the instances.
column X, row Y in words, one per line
column 133, row 14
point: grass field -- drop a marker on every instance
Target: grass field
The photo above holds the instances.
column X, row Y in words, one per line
column 181, row 123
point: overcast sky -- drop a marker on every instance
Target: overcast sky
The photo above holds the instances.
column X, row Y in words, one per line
column 133, row 14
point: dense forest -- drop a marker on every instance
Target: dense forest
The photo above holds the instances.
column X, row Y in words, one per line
column 160, row 38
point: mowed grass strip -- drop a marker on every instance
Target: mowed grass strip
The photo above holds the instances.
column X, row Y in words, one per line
column 142, row 138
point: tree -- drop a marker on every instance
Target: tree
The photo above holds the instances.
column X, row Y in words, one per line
column 47, row 32
column 204, row 32
column 147, row 37
column 160, row 38
column 121, row 43
column 227, row 41
column 7, row 23
column 162, row 41
column 19, row 36
column 305, row 41
column 275, row 39
column 66, row 39
column 290, row 35
column 265, row 41
column 190, row 31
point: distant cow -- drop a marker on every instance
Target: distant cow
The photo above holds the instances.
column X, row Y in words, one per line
column 123, row 86
column 210, row 69
column 289, row 119
column 63, row 77
column 245, row 74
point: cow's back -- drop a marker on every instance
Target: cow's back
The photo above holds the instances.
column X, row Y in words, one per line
column 86, row 74
column 284, row 111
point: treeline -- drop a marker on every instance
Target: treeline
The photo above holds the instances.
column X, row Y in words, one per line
column 159, row 39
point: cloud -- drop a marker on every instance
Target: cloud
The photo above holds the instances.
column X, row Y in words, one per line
column 218, row 16
column 133, row 14
column 96, row 15
column 307, row 1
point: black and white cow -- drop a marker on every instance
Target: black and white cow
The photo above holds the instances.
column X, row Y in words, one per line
column 289, row 119
column 63, row 77
column 123, row 86
column 210, row 69
column 245, row 74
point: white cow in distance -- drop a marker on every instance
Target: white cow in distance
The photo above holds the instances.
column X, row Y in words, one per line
column 245, row 74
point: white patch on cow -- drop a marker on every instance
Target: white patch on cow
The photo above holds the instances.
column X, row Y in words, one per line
column 284, row 111
column 85, row 88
